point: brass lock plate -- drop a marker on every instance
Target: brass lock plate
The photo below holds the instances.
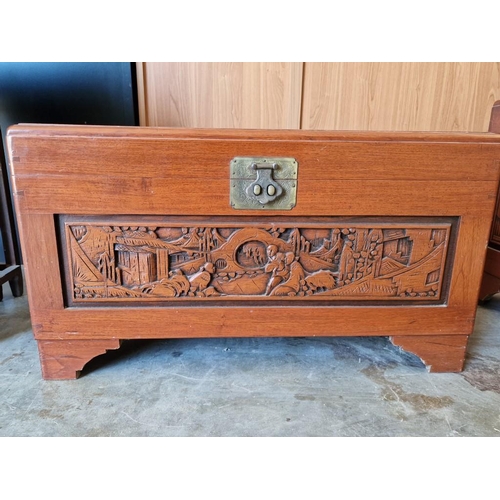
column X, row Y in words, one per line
column 263, row 183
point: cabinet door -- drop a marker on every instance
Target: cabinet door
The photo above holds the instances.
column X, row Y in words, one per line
column 222, row 95
column 400, row 96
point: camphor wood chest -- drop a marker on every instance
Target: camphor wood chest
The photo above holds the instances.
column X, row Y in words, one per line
column 134, row 233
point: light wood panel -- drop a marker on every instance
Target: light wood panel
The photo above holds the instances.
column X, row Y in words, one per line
column 233, row 95
column 399, row 96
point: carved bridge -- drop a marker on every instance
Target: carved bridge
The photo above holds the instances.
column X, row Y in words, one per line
column 171, row 261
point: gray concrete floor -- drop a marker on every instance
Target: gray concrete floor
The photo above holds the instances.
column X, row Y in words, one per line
column 250, row 387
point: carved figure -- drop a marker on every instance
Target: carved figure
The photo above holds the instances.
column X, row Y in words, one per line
column 202, row 278
column 276, row 266
column 292, row 283
column 347, row 262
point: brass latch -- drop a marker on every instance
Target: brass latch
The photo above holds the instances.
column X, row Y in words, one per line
column 263, row 183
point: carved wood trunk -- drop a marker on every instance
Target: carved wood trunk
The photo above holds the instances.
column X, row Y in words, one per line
column 134, row 233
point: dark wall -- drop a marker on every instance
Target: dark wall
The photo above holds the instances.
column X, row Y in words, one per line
column 76, row 93
column 67, row 93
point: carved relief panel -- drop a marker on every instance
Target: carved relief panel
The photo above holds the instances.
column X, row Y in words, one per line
column 170, row 260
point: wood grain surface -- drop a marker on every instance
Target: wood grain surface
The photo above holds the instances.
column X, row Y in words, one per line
column 494, row 128
column 240, row 95
column 399, row 96
column 64, row 359
column 440, row 353
column 490, row 285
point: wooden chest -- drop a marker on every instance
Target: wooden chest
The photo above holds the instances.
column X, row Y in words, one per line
column 134, row 233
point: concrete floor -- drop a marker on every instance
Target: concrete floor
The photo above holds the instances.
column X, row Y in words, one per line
column 250, row 387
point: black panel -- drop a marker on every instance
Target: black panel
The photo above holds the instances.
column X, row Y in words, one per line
column 74, row 93
column 67, row 93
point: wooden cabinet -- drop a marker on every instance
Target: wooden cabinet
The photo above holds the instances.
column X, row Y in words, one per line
column 222, row 95
column 399, row 96
column 319, row 96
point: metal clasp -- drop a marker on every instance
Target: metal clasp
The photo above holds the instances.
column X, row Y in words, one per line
column 263, row 183
column 264, row 189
